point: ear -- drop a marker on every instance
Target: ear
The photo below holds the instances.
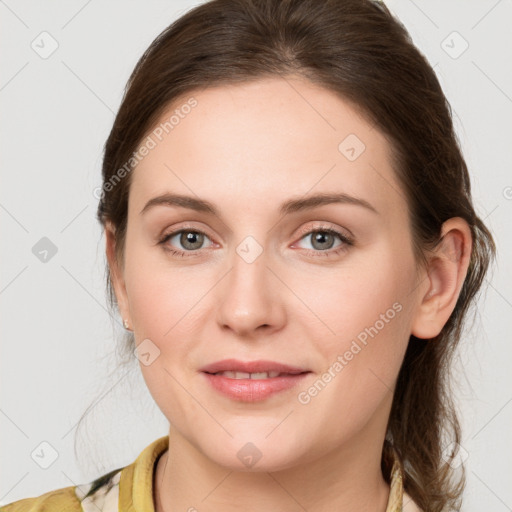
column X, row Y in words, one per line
column 446, row 271
column 116, row 273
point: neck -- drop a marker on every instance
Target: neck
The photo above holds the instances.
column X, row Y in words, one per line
column 345, row 479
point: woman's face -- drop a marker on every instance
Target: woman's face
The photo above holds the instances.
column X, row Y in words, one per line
column 261, row 279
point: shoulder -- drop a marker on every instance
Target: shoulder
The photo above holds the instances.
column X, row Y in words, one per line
column 64, row 500
column 100, row 494
column 117, row 490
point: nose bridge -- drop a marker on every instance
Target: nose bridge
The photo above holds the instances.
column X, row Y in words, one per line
column 249, row 299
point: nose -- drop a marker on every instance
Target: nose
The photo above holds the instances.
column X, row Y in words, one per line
column 250, row 299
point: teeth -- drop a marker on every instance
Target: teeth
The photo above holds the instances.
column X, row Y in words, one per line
column 245, row 375
column 260, row 375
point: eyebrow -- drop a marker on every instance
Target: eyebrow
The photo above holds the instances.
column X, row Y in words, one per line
column 290, row 206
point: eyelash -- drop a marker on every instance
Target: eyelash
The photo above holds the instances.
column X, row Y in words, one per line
column 347, row 241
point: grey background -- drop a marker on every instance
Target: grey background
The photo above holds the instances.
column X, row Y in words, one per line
column 57, row 340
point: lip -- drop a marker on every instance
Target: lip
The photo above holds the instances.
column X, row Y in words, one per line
column 252, row 390
column 261, row 365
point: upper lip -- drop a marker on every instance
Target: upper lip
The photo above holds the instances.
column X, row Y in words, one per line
column 259, row 366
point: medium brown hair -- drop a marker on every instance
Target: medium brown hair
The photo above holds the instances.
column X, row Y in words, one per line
column 357, row 49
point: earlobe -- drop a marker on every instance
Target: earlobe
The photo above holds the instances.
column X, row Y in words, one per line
column 446, row 270
column 116, row 274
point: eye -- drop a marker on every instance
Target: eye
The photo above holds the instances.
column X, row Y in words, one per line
column 322, row 240
column 190, row 239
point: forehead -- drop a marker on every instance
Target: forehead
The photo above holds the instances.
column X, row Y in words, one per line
column 262, row 141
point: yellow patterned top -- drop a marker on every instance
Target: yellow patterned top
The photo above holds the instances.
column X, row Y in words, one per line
column 130, row 489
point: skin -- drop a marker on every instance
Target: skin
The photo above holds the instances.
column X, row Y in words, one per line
column 247, row 148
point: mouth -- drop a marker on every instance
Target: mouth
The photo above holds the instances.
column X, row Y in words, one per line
column 255, row 375
column 254, row 380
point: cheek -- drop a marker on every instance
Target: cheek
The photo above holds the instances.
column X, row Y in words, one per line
column 368, row 308
column 370, row 317
column 365, row 300
column 161, row 297
column 165, row 303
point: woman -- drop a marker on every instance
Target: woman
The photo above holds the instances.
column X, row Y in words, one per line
column 293, row 249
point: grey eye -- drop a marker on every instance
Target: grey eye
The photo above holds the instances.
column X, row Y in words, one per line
column 322, row 240
column 190, row 240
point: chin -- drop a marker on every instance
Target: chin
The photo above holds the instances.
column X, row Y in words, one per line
column 254, row 457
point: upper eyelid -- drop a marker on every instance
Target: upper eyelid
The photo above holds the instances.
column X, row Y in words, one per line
column 173, row 232
column 326, row 227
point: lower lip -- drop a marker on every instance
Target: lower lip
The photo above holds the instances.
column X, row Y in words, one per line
column 253, row 390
